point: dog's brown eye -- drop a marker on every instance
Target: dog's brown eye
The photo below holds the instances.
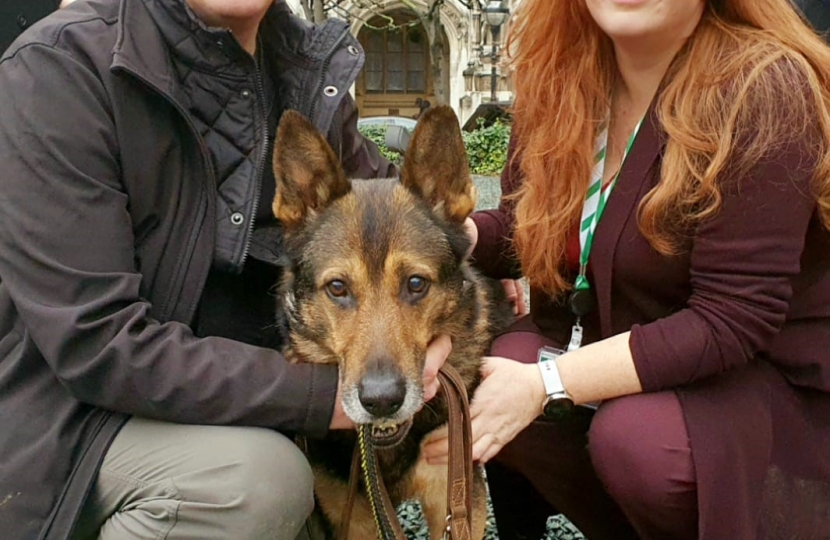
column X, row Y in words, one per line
column 417, row 284
column 337, row 288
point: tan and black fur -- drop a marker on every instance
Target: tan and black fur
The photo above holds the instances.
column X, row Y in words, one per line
column 377, row 270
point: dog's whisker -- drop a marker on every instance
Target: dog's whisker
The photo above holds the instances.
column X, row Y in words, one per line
column 430, row 408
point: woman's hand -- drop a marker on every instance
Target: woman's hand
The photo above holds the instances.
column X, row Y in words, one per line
column 513, row 288
column 472, row 233
column 509, row 398
column 515, row 293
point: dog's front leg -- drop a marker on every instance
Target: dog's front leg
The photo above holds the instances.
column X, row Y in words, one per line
column 428, row 484
column 331, row 494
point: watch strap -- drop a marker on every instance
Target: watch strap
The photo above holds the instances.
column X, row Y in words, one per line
column 551, row 378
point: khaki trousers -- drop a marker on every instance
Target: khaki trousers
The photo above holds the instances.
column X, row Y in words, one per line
column 162, row 481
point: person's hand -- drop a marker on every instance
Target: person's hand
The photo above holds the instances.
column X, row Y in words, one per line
column 339, row 419
column 509, row 398
column 513, row 288
column 515, row 292
column 437, row 352
column 472, row 233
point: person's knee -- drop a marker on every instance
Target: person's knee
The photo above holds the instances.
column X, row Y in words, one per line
column 201, row 482
column 639, row 449
column 272, row 484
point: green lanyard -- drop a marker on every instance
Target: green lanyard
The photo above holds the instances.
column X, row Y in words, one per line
column 581, row 301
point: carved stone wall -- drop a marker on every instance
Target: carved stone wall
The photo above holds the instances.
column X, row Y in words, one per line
column 464, row 55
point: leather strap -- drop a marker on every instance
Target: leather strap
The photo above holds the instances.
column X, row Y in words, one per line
column 460, row 474
column 389, row 509
column 460, row 470
column 354, row 481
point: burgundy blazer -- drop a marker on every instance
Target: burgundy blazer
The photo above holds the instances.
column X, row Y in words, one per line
column 737, row 325
column 752, row 282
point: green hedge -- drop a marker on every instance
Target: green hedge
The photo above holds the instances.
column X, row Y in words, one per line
column 486, row 146
column 377, row 134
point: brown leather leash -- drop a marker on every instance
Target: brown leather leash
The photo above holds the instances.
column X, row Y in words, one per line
column 459, row 473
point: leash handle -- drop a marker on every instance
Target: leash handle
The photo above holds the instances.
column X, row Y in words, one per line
column 460, row 473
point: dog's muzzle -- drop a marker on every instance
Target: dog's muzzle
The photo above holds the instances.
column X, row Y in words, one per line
column 387, row 434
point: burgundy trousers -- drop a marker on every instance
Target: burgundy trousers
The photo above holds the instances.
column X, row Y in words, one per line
column 624, row 471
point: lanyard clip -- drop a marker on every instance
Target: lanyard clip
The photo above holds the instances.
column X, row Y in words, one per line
column 576, row 337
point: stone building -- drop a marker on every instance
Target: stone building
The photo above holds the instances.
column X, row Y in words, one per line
column 399, row 74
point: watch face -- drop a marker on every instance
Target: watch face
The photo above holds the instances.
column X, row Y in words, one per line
column 558, row 408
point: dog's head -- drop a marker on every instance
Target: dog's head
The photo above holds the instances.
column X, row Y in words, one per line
column 377, row 266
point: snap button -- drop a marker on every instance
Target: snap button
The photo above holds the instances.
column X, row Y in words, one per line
column 237, row 218
column 330, row 91
column 22, row 21
column 352, row 50
column 246, row 93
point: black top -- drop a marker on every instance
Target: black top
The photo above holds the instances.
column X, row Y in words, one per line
column 18, row 15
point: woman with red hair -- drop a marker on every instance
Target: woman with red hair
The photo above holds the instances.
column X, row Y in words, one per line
column 668, row 199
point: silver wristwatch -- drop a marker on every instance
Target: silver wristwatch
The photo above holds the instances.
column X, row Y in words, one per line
column 558, row 402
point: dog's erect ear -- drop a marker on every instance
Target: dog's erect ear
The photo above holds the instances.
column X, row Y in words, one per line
column 435, row 165
column 308, row 175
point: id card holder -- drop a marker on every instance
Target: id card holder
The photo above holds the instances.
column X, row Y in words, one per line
column 576, row 337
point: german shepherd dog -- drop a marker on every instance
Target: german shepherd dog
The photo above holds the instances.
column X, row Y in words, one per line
column 377, row 269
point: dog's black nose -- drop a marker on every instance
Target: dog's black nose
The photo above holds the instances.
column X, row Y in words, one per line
column 382, row 393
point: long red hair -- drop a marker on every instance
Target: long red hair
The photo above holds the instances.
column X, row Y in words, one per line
column 725, row 84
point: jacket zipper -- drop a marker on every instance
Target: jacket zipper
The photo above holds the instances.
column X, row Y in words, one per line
column 265, row 134
column 168, row 307
column 261, row 166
